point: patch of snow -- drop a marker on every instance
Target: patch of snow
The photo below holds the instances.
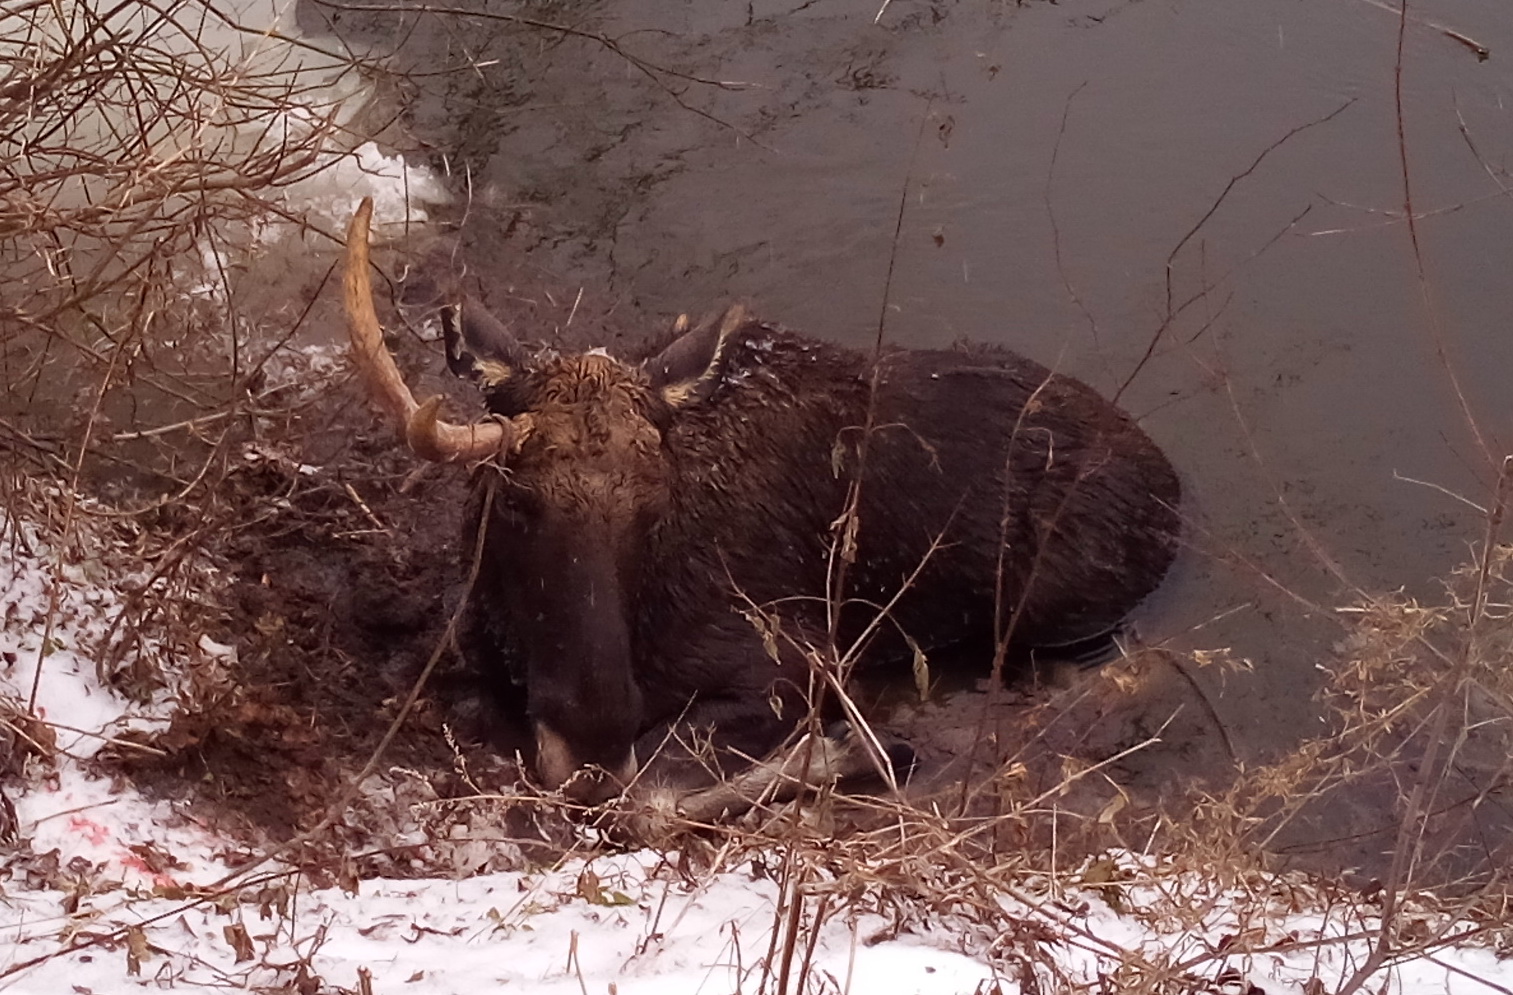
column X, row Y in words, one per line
column 57, row 612
column 399, row 190
column 116, row 829
column 629, row 921
column 110, row 892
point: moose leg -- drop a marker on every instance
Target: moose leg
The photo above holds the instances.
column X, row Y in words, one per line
column 652, row 811
column 840, row 753
column 712, row 739
column 727, row 751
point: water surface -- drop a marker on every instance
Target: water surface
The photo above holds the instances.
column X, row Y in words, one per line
column 1036, row 176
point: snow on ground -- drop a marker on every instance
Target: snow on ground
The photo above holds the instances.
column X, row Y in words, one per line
column 638, row 929
column 104, row 891
column 58, row 613
column 107, row 892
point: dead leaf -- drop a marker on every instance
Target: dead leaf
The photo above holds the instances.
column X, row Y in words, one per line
column 921, row 672
column 156, row 859
column 591, row 890
column 236, row 936
column 1100, row 871
column 137, row 950
column 1115, row 805
column 348, row 878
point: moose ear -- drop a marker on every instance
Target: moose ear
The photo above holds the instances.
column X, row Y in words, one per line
column 479, row 347
column 689, row 370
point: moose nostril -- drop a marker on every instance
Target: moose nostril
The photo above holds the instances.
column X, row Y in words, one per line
column 591, row 786
column 555, row 762
column 559, row 766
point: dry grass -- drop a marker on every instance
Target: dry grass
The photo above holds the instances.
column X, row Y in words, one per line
column 95, row 226
column 134, row 141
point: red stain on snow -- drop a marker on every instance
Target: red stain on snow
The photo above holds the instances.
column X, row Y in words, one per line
column 89, row 829
column 136, row 863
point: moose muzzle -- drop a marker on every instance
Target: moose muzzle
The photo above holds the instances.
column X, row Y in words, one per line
column 559, row 766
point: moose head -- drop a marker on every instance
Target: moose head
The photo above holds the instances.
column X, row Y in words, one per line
column 578, row 479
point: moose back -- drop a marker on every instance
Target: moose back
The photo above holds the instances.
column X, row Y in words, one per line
column 661, row 539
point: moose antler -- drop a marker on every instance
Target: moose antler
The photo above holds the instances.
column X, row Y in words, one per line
column 422, row 428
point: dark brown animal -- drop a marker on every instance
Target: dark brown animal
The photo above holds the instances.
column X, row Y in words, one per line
column 632, row 512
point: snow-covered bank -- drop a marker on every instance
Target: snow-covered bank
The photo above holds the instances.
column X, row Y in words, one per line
column 106, row 891
column 70, row 634
column 636, row 923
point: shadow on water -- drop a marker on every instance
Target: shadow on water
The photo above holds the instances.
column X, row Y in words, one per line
column 1053, row 162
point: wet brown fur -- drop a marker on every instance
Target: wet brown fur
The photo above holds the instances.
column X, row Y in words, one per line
column 638, row 518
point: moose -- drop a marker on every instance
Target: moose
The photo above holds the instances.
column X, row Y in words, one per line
column 656, row 538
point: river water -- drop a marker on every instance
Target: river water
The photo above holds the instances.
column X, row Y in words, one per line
column 1217, row 186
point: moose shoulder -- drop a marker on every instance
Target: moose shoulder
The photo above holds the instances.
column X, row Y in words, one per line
column 635, row 515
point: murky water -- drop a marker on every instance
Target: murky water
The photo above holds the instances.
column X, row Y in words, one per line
column 1051, row 163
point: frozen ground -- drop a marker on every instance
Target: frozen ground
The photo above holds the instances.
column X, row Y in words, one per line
column 105, row 891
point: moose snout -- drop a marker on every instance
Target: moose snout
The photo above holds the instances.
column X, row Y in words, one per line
column 558, row 765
